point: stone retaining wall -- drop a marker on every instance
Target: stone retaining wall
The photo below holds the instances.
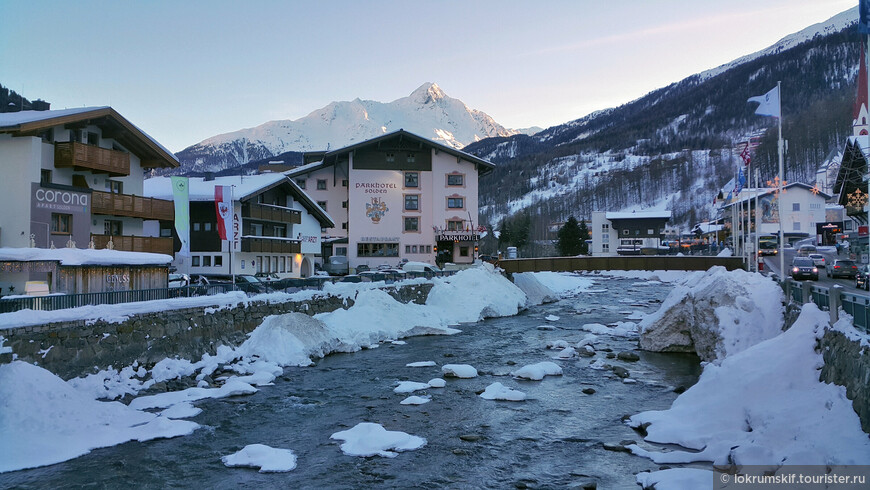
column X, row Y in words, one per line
column 847, row 364
column 75, row 348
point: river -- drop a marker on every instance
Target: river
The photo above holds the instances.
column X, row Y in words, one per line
column 553, row 439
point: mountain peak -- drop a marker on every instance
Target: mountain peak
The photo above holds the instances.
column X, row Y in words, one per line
column 428, row 92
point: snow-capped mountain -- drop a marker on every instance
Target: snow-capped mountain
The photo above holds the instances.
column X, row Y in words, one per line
column 428, row 112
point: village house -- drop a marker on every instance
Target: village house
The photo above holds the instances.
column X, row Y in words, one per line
column 397, row 196
column 276, row 226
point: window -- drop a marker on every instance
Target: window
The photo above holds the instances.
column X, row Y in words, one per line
column 166, row 232
column 280, row 231
column 412, row 202
column 322, row 204
column 412, row 179
column 413, row 249
column 344, row 204
column 795, row 206
column 456, row 179
column 407, row 249
column 411, row 158
column 44, row 177
column 455, row 202
column 206, row 260
column 605, row 226
column 261, row 199
column 274, row 264
column 300, row 183
column 218, row 260
column 196, row 227
column 206, row 226
column 259, row 263
column 113, row 227
column 650, row 231
column 428, row 249
column 625, row 232
column 797, row 226
column 455, row 225
column 283, row 265
column 257, row 229
column 377, row 250
column 605, row 236
column 847, row 225
column 815, row 205
column 93, row 139
column 344, row 183
column 61, row 223
column 342, row 251
column 194, row 261
column 412, row 223
column 321, row 184
column 344, row 225
column 605, row 247
column 463, row 251
column 390, row 157
column 114, row 186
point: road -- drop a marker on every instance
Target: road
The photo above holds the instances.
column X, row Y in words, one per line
column 771, row 264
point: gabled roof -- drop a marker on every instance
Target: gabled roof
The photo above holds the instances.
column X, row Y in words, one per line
column 748, row 194
column 329, row 158
column 852, row 168
column 639, row 215
column 150, row 152
column 245, row 187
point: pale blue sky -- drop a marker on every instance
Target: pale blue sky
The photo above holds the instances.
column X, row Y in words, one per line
column 187, row 70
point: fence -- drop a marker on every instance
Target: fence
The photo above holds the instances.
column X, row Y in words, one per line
column 63, row 301
column 831, row 299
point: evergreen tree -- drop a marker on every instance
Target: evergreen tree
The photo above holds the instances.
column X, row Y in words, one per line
column 584, row 235
column 569, row 241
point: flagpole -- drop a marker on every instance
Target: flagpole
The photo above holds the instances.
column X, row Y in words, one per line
column 779, row 188
column 231, row 237
column 757, row 226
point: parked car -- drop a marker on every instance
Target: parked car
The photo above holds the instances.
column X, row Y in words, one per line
column 362, row 268
column 336, row 265
column 803, row 268
column 862, row 278
column 419, row 267
column 266, row 276
column 843, row 268
column 818, row 259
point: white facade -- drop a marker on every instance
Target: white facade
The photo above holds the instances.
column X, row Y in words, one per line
column 629, row 233
column 802, row 209
column 397, row 197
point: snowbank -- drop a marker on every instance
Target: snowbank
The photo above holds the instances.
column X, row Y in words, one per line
column 46, row 421
column 498, row 391
column 762, row 406
column 368, row 439
column 715, row 314
column 536, row 372
column 536, row 293
column 474, row 294
column 563, row 284
column 459, row 370
column 268, row 459
column 83, row 256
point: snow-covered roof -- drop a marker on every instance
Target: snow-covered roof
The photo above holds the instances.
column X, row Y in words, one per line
column 244, row 187
column 31, row 121
column 639, row 215
column 86, row 256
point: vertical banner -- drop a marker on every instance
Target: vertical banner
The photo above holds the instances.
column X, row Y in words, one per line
column 180, row 195
column 223, row 208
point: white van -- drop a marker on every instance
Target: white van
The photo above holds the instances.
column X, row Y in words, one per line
column 419, row 267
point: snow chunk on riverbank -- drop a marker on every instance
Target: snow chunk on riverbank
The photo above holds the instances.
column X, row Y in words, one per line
column 459, row 370
column 498, row 391
column 762, row 406
column 268, row 459
column 563, row 283
column 676, row 478
column 420, row 364
column 46, row 421
column 410, row 387
column 715, row 313
column 289, row 340
column 368, row 439
column 437, row 383
column 233, row 387
column 536, row 293
column 536, row 372
column 474, row 294
column 620, row 329
column 415, row 400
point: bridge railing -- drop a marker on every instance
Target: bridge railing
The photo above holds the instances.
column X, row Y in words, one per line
column 831, row 299
column 623, row 263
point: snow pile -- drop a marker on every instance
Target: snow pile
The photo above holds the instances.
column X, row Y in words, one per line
column 474, row 294
column 536, row 372
column 83, row 256
column 410, row 387
column 420, row 364
column 619, row 329
column 45, row 421
column 715, row 314
column 762, row 406
column 437, row 383
column 415, row 400
column 676, row 478
column 289, row 340
column 110, row 384
column 536, row 293
column 233, row 387
column 459, row 371
column 563, row 284
column 498, row 391
column 368, row 439
column 268, row 459
column 551, row 318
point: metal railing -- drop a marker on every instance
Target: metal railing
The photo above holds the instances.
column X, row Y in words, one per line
column 63, row 301
column 831, row 299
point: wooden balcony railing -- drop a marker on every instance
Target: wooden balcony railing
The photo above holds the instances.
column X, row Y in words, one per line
column 271, row 213
column 81, row 156
column 270, row 245
column 132, row 206
column 129, row 243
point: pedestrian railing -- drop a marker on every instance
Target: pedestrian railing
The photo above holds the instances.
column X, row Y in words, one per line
column 831, row 299
column 63, row 301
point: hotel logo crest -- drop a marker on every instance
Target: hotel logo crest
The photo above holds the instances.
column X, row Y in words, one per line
column 376, row 209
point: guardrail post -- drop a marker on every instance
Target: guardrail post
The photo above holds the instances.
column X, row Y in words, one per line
column 834, row 301
column 806, row 293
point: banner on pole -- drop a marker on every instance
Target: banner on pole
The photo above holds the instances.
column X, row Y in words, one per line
column 180, row 195
column 223, row 208
column 769, row 103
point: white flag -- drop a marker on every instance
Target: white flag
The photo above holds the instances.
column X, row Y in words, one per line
column 769, row 103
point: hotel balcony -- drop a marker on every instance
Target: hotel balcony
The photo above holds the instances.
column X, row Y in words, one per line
column 80, row 156
column 129, row 243
column 272, row 245
column 265, row 212
column 132, row 206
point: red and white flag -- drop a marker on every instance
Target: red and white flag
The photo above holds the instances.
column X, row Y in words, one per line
column 745, row 155
column 223, row 206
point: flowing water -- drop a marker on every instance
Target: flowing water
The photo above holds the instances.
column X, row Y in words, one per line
column 553, row 439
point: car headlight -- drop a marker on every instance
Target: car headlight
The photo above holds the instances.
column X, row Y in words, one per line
column 795, row 270
column 815, row 271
